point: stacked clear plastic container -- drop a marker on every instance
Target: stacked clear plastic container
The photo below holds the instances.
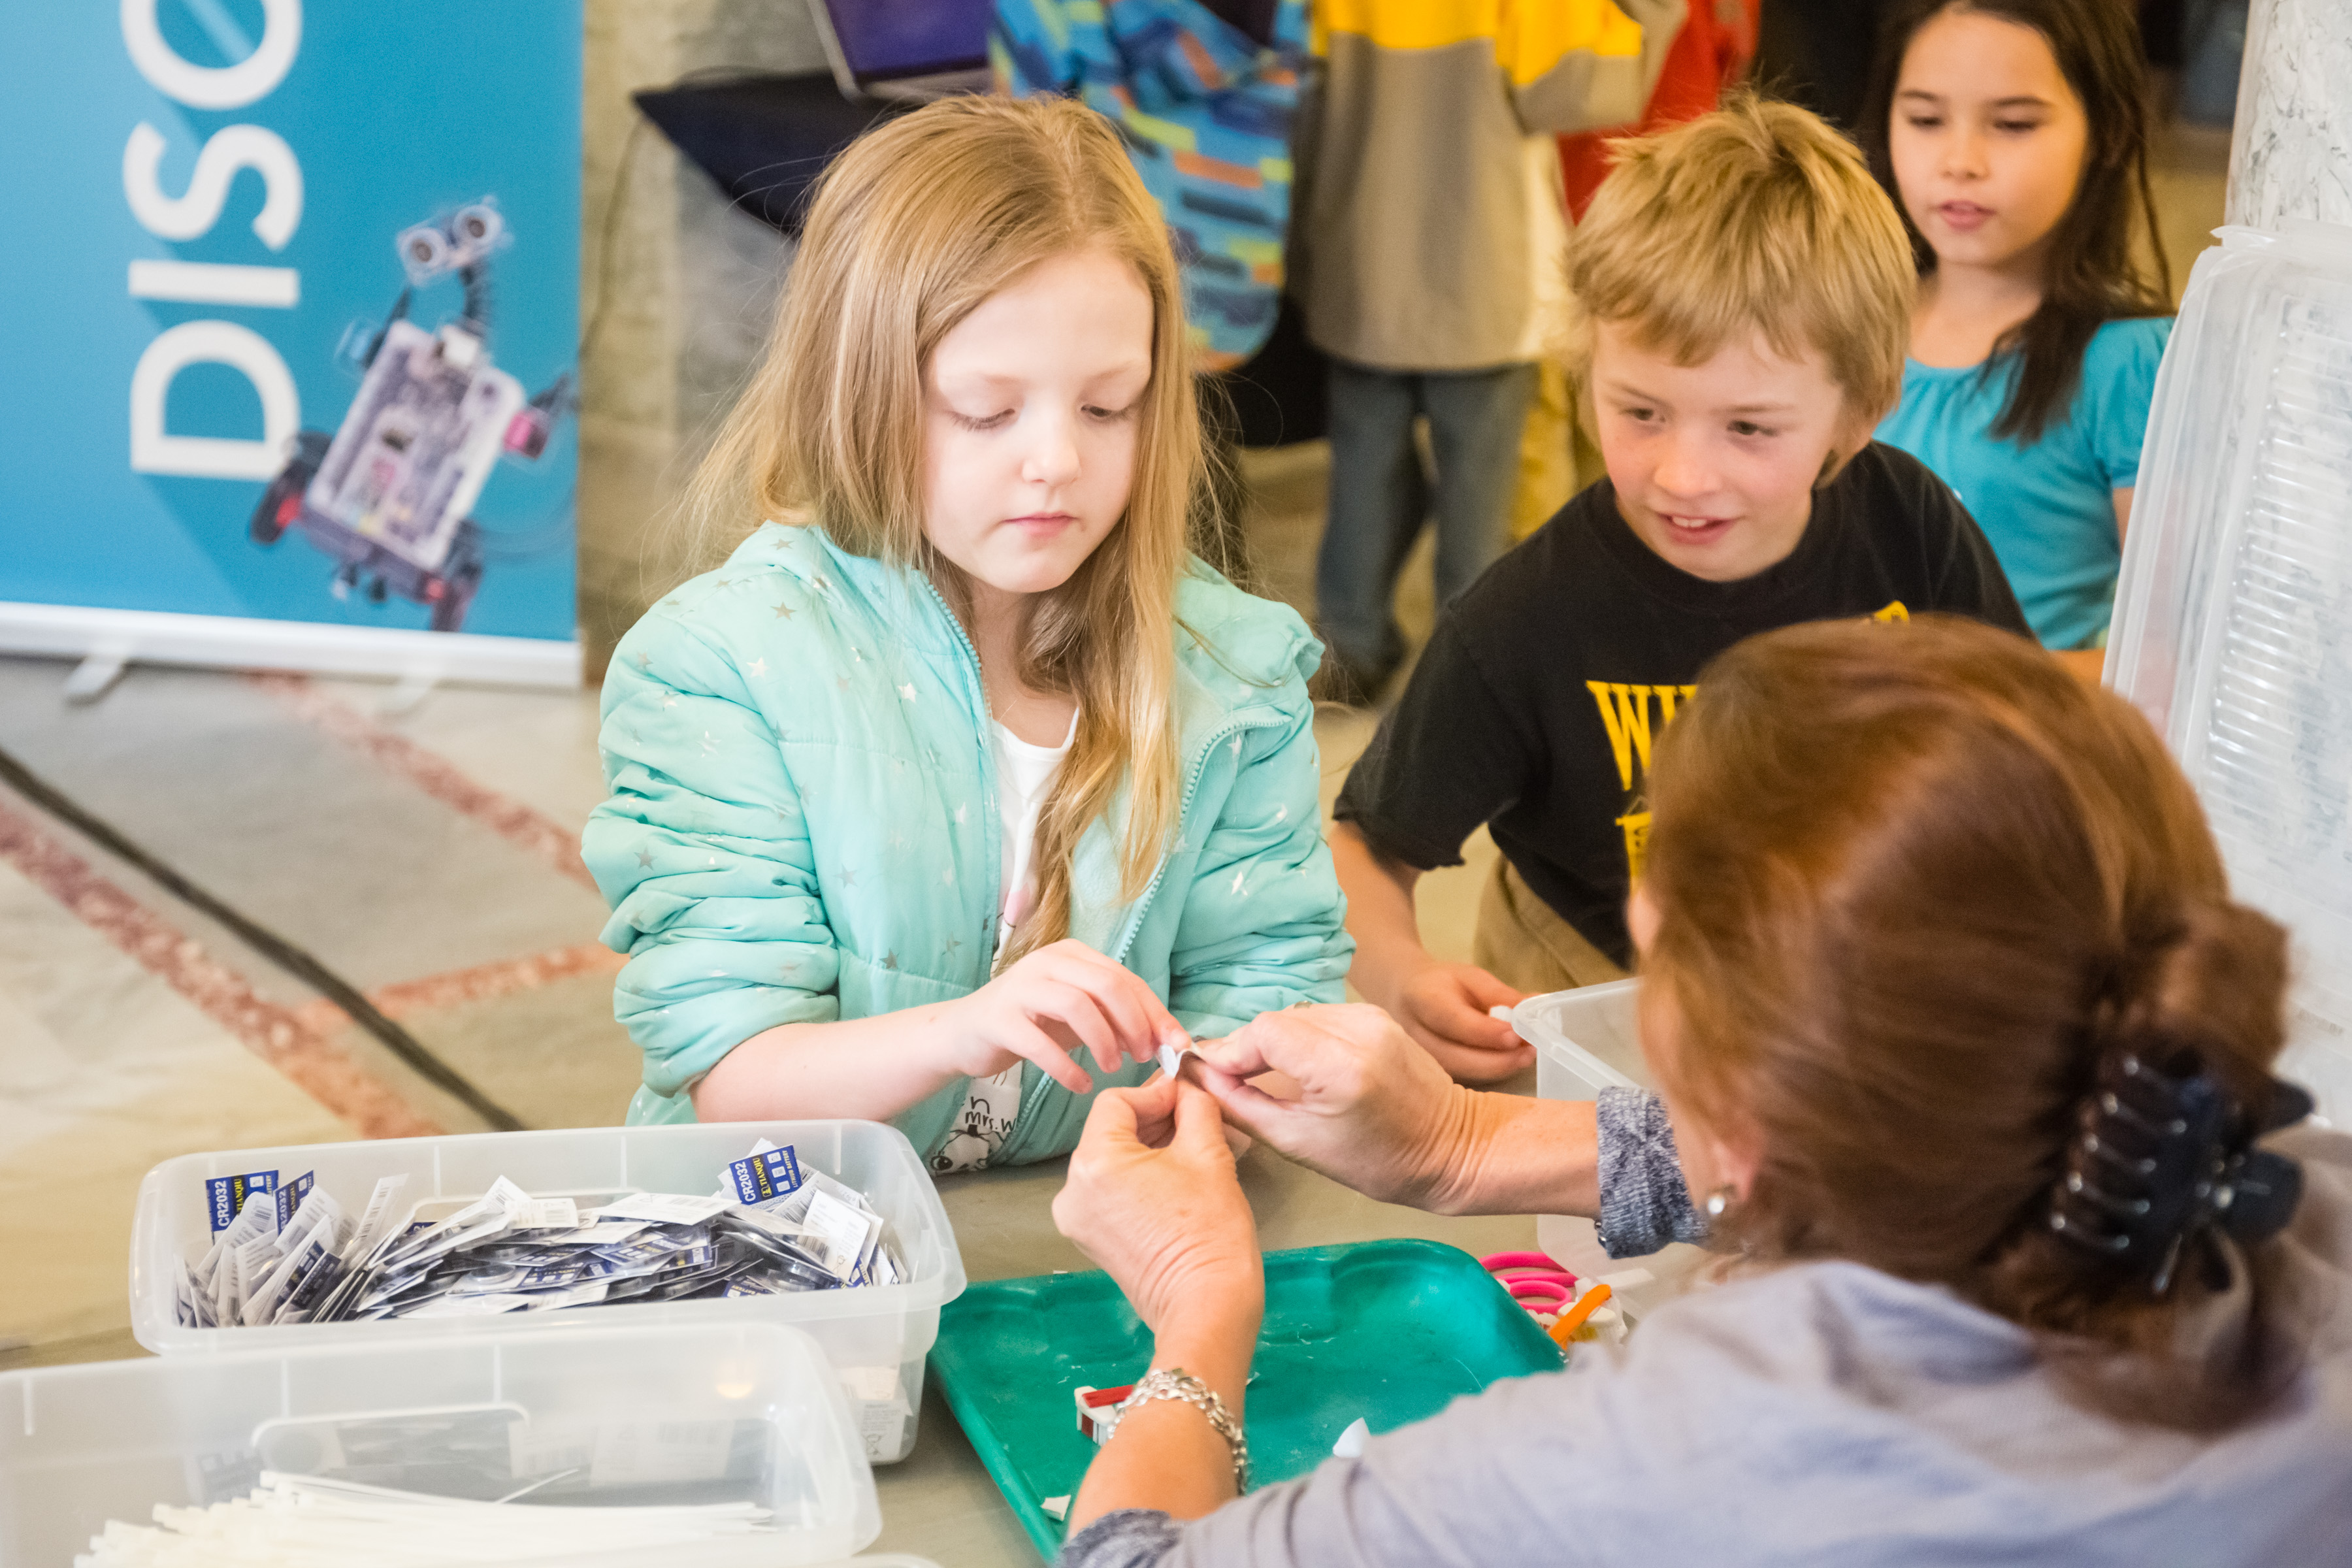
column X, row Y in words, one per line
column 875, row 1336
column 2233, row 615
column 666, row 1415
column 1588, row 1040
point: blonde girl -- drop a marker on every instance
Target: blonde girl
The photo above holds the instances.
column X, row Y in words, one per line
column 960, row 775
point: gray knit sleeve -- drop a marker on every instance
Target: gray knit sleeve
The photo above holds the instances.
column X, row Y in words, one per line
column 1645, row 1202
column 1125, row 1538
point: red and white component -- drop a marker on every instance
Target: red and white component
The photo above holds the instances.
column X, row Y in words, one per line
column 1098, row 1410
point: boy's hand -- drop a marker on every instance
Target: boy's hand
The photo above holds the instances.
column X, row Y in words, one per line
column 1443, row 1006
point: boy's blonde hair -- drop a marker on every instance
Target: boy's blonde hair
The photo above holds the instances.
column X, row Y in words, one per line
column 911, row 229
column 1757, row 217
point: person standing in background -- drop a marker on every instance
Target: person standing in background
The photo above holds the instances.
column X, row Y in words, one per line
column 1429, row 231
column 2013, row 135
column 1557, row 455
column 1203, row 93
column 1709, row 55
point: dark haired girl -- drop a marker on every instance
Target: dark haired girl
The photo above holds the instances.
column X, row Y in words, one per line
column 2014, row 136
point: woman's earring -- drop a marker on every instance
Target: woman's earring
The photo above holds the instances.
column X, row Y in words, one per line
column 1719, row 1200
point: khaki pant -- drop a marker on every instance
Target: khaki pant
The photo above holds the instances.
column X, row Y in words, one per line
column 1524, row 944
column 1547, row 454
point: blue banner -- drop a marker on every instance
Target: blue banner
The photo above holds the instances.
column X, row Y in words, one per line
column 218, row 207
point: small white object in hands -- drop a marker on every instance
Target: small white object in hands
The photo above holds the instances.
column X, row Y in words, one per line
column 1171, row 1057
column 1350, row 1445
column 1056, row 1508
column 1502, row 1012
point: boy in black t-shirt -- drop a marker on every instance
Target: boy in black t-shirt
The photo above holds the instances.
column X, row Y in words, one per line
column 1743, row 291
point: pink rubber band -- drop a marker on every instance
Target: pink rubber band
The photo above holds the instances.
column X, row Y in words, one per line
column 1541, row 1263
column 1552, row 1291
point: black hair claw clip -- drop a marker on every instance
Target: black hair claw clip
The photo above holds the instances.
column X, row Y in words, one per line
column 2162, row 1156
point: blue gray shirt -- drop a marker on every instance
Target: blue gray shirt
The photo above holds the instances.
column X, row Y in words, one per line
column 1822, row 1414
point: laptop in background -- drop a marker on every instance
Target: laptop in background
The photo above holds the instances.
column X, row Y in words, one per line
column 915, row 50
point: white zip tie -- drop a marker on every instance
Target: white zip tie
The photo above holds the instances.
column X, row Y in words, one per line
column 309, row 1521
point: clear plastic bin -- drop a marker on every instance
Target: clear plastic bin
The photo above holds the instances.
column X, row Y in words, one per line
column 666, row 1415
column 876, row 1335
column 2233, row 614
column 1586, row 1041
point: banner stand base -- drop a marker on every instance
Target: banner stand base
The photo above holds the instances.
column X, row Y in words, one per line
column 415, row 659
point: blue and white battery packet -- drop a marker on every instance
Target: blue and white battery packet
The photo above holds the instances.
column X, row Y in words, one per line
column 764, row 1173
column 290, row 1256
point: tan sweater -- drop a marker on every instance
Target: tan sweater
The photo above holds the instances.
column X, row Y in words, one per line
column 1427, row 232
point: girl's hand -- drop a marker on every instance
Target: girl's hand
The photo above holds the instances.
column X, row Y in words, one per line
column 1152, row 1196
column 1059, row 999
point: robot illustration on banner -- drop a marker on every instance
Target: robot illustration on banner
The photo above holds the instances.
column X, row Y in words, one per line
column 389, row 495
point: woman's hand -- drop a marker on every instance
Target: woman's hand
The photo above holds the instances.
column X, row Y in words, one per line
column 1152, row 1197
column 1059, row 999
column 1374, row 1111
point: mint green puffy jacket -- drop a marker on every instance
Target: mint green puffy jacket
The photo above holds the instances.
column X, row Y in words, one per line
column 803, row 828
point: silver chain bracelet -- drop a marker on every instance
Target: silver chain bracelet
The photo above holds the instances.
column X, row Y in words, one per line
column 1175, row 1382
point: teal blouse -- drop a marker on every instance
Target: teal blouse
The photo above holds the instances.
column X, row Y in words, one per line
column 2048, row 509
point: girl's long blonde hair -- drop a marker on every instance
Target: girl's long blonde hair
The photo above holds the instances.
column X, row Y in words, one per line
column 912, row 227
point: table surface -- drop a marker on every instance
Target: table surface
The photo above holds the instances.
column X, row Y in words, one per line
column 938, row 1502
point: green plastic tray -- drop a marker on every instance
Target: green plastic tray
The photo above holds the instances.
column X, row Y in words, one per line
column 1387, row 1330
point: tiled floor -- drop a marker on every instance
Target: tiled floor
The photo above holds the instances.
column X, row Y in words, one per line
column 133, row 1028
column 103, row 1071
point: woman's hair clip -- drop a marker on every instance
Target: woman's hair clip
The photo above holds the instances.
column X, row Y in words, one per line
column 2160, row 1157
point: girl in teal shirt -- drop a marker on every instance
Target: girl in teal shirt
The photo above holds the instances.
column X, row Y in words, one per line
column 960, row 778
column 2012, row 135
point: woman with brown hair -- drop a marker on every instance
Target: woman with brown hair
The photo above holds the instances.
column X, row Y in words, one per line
column 1966, row 1050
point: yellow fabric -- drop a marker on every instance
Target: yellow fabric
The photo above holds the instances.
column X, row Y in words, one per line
column 1559, row 456
column 1169, row 134
column 1585, row 462
column 1522, row 942
column 1535, row 36
column 1531, row 37
column 1546, row 458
